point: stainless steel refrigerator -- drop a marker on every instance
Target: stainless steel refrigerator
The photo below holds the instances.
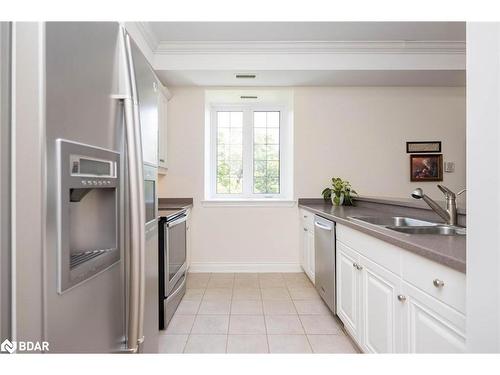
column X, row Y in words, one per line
column 5, row 196
column 100, row 264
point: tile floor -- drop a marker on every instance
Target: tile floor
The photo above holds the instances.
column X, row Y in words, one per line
column 253, row 313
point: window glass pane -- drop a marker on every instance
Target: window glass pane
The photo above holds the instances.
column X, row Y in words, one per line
column 273, row 186
column 223, row 119
column 273, row 169
column 273, row 152
column 223, row 135
column 236, row 136
column 236, row 119
column 273, row 119
column 259, row 136
column 229, row 152
column 266, row 153
column 259, row 152
column 273, row 136
column 260, row 168
column 259, row 119
column 259, row 185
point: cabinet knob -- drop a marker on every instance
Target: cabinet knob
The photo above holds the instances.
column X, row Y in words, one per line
column 359, row 267
column 305, row 229
column 355, row 265
column 438, row 283
column 401, row 298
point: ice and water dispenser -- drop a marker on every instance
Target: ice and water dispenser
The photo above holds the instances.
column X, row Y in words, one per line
column 89, row 211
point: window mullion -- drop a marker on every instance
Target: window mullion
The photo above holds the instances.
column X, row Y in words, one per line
column 247, row 152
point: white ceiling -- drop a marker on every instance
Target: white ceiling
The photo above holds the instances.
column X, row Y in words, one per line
column 308, row 53
column 307, row 31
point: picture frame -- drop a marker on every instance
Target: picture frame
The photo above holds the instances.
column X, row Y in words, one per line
column 426, row 167
column 423, row 147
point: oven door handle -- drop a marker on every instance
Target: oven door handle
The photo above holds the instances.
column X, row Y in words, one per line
column 181, row 219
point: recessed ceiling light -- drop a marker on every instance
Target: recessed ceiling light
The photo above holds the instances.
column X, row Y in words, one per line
column 246, row 76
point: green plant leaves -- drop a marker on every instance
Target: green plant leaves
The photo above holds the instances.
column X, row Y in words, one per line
column 340, row 188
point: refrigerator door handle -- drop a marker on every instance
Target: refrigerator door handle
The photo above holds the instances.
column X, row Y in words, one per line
column 137, row 209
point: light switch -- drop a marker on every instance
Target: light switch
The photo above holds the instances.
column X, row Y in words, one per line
column 449, row 166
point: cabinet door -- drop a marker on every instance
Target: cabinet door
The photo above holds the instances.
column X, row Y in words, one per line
column 188, row 239
column 311, row 261
column 348, row 303
column 431, row 326
column 382, row 312
column 303, row 249
column 303, row 246
column 308, row 252
column 162, row 130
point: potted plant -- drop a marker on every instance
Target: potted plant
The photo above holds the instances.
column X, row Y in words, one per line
column 340, row 193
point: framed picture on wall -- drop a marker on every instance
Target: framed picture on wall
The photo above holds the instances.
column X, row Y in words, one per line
column 426, row 167
column 423, row 147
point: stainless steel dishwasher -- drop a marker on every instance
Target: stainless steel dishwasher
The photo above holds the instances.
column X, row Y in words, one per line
column 324, row 250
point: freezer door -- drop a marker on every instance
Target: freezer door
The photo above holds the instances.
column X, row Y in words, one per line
column 81, row 88
column 147, row 92
column 5, row 275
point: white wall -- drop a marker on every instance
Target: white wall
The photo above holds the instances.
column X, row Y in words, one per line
column 483, row 183
column 240, row 236
column 360, row 134
column 356, row 133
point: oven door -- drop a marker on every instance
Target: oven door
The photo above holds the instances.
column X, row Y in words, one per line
column 175, row 251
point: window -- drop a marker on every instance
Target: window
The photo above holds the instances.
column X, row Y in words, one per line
column 248, row 152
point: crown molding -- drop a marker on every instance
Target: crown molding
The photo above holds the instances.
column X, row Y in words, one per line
column 300, row 47
column 148, row 35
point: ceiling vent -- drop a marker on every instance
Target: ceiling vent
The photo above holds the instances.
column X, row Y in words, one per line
column 248, row 97
column 246, row 76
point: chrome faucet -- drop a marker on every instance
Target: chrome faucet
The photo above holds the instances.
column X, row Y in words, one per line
column 449, row 214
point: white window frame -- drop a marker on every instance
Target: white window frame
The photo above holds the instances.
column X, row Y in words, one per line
column 286, row 155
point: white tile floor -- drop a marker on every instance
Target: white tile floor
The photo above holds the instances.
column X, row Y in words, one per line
column 253, row 313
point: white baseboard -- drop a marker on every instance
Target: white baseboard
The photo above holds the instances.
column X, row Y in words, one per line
column 245, row 267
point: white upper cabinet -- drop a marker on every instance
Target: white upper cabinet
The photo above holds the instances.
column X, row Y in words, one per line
column 163, row 98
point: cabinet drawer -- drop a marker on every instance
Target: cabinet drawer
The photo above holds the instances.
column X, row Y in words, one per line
column 306, row 219
column 382, row 253
column 427, row 276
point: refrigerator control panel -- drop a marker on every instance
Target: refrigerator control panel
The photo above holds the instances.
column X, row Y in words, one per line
column 88, row 212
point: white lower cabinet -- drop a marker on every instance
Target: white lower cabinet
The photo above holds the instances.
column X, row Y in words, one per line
column 348, row 301
column 431, row 326
column 385, row 313
column 382, row 311
column 307, row 256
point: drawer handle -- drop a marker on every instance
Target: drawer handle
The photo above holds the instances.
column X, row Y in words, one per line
column 359, row 267
column 305, row 216
column 438, row 283
column 401, row 298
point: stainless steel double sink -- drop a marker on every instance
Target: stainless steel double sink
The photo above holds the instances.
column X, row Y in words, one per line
column 411, row 226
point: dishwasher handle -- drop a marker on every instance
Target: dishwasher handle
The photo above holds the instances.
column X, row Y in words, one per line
column 323, row 226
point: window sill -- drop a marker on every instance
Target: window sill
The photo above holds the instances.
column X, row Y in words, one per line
column 248, row 203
